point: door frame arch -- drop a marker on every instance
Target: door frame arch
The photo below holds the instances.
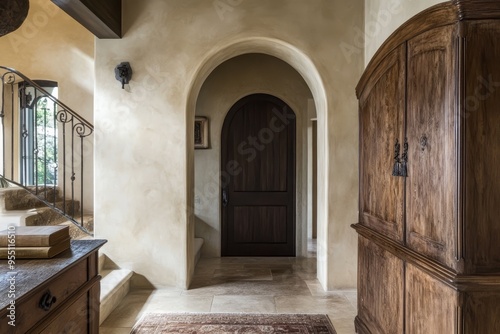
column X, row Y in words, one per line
column 307, row 69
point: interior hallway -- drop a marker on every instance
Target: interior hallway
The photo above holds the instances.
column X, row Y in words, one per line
column 246, row 285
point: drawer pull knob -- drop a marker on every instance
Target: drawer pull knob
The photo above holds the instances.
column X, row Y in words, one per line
column 47, row 301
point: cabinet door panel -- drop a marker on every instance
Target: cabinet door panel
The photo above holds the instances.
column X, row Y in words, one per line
column 431, row 195
column 381, row 125
column 481, row 310
column 431, row 306
column 380, row 289
column 482, row 147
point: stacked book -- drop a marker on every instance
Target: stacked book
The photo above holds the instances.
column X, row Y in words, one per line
column 34, row 242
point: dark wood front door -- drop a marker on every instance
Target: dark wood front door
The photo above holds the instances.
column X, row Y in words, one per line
column 258, row 178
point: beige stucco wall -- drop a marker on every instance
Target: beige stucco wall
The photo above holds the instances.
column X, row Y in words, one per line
column 382, row 17
column 50, row 45
column 232, row 80
column 145, row 164
column 144, row 154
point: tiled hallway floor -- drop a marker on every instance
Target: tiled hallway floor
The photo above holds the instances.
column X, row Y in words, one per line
column 250, row 285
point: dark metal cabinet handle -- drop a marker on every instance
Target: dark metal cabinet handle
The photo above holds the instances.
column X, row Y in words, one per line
column 225, row 199
column 404, row 163
column 47, row 301
column 423, row 142
column 397, row 160
column 400, row 167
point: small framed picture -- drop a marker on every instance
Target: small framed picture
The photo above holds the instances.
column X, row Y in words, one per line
column 200, row 132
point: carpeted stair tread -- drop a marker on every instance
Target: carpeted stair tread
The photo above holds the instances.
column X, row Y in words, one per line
column 45, row 216
column 77, row 233
column 20, row 199
column 70, row 207
column 16, row 199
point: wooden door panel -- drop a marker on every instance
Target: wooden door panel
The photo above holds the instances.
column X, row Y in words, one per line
column 258, row 160
column 431, row 306
column 431, row 214
column 380, row 289
column 482, row 149
column 381, row 125
column 258, row 150
column 262, row 224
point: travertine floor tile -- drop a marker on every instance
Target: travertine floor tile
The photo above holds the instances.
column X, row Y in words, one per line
column 243, row 304
column 246, row 274
column 352, row 296
column 246, row 288
column 129, row 311
column 344, row 325
column 317, row 290
column 138, row 302
column 162, row 304
column 243, row 285
column 336, row 306
column 125, row 330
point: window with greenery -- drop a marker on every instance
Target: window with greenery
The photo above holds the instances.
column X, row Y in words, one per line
column 38, row 133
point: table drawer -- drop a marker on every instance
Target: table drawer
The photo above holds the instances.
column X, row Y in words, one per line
column 73, row 320
column 28, row 311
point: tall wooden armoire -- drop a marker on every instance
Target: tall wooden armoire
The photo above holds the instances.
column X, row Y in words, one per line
column 429, row 205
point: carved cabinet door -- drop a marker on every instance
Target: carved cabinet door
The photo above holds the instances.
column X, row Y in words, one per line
column 431, row 185
column 382, row 112
column 481, row 147
column 380, row 288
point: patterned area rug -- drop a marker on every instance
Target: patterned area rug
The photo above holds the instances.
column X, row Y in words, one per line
column 209, row 323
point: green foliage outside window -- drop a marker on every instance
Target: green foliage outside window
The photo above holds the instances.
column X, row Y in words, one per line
column 46, row 142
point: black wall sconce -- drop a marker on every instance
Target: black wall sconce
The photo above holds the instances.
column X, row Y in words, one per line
column 123, row 73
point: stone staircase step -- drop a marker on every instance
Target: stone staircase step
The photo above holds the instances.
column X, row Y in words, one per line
column 198, row 242
column 115, row 285
column 106, row 263
column 101, row 262
column 14, row 218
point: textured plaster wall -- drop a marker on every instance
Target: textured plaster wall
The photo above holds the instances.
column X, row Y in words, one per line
column 383, row 17
column 144, row 155
column 232, row 80
column 50, row 45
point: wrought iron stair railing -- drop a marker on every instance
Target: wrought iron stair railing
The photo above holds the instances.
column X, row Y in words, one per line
column 42, row 146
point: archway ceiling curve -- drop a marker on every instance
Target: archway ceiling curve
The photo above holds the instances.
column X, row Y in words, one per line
column 272, row 47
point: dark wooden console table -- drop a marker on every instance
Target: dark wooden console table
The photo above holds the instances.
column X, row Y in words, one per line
column 57, row 295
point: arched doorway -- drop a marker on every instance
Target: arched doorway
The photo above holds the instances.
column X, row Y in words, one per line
column 307, row 69
column 258, row 178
